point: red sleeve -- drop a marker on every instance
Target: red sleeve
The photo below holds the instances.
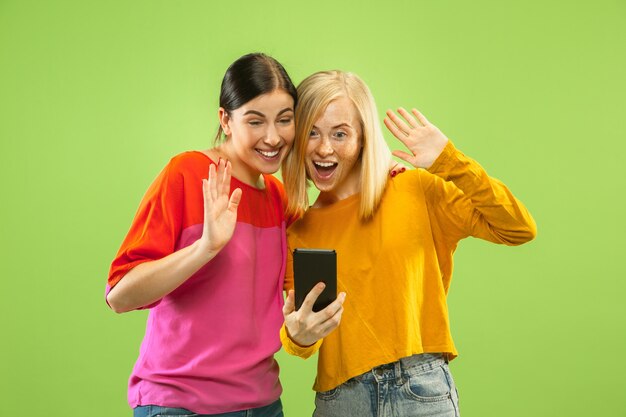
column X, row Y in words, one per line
column 155, row 229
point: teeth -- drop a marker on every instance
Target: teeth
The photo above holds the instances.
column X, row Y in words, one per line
column 268, row 154
column 325, row 164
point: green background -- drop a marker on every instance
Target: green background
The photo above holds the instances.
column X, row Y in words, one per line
column 95, row 97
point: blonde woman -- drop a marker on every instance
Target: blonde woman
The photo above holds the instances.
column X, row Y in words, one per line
column 395, row 238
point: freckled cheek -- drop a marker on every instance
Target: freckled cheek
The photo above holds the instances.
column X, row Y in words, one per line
column 350, row 152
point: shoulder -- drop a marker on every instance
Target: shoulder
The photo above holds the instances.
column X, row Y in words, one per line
column 182, row 168
column 187, row 166
column 410, row 180
column 189, row 160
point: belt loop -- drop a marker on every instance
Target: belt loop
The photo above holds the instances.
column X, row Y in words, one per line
column 399, row 372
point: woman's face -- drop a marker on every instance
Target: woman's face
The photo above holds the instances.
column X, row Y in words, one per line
column 333, row 152
column 260, row 134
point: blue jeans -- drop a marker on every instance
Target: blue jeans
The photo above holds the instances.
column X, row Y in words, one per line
column 273, row 410
column 416, row 386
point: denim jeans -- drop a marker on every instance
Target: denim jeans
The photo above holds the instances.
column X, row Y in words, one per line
column 273, row 410
column 416, row 386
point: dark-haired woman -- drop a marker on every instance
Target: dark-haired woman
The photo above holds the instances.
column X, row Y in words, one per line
column 207, row 257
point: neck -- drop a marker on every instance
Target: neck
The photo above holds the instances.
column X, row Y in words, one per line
column 240, row 170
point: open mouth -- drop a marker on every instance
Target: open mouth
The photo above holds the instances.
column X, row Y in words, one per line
column 325, row 169
column 269, row 155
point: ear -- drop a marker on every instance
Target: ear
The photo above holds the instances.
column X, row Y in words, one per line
column 224, row 120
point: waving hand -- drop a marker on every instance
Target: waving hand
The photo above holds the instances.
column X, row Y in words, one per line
column 220, row 211
column 423, row 139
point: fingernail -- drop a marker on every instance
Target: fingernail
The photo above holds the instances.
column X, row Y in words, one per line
column 393, row 173
column 402, row 169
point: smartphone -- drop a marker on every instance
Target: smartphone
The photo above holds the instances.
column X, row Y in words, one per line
column 311, row 266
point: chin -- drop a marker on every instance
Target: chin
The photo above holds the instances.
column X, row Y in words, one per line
column 269, row 168
column 325, row 187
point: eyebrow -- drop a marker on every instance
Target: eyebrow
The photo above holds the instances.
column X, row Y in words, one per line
column 258, row 113
column 338, row 126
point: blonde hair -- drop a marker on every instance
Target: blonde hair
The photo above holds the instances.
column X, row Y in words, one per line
column 315, row 94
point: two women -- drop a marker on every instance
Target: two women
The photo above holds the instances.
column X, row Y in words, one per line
column 209, row 263
column 394, row 238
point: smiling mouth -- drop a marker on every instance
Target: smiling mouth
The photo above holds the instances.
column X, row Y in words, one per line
column 325, row 169
column 269, row 154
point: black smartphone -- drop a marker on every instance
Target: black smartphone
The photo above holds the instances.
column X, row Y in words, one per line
column 311, row 266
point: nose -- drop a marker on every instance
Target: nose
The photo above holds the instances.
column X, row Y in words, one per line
column 272, row 138
column 324, row 148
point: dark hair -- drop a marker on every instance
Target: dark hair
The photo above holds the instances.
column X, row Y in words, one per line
column 249, row 77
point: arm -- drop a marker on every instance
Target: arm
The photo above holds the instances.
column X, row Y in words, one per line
column 480, row 205
column 152, row 280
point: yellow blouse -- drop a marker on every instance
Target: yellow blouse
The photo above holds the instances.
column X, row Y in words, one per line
column 396, row 267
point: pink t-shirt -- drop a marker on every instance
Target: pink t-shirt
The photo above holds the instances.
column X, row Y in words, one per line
column 209, row 345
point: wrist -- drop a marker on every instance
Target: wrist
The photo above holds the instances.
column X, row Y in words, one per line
column 202, row 251
column 298, row 343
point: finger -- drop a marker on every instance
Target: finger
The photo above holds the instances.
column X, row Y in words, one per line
column 401, row 167
column 211, row 182
column 311, row 297
column 225, row 185
column 219, row 184
column 290, row 304
column 420, row 117
column 205, row 195
column 399, row 134
column 399, row 122
column 331, row 310
column 405, row 157
column 393, row 171
column 332, row 324
column 235, row 199
column 407, row 116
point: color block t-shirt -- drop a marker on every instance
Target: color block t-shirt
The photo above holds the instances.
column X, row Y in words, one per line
column 209, row 344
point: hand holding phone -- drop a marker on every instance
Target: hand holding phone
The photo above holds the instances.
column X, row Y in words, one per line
column 304, row 326
column 317, row 314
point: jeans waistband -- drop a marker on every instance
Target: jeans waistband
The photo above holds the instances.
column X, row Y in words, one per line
column 405, row 367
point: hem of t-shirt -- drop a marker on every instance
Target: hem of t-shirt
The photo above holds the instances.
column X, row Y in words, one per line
column 445, row 349
column 208, row 411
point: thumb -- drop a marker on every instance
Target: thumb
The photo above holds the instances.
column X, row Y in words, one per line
column 235, row 199
column 405, row 157
column 290, row 304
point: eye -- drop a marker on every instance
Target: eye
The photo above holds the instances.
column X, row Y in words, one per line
column 340, row 134
column 255, row 122
column 313, row 134
column 285, row 120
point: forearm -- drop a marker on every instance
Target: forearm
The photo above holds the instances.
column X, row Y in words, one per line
column 152, row 280
column 498, row 215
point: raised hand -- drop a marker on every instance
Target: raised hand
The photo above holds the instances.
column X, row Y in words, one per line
column 423, row 139
column 306, row 327
column 220, row 211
